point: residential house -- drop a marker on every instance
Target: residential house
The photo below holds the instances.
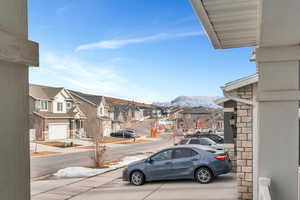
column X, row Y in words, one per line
column 270, row 27
column 174, row 112
column 240, row 130
column 54, row 114
column 98, row 122
column 197, row 118
column 125, row 110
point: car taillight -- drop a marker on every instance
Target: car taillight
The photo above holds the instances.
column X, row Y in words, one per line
column 221, row 158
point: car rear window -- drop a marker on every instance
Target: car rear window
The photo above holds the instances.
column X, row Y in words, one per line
column 204, row 142
column 194, row 141
column 183, row 153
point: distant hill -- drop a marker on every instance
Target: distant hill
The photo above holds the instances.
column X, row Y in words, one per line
column 190, row 101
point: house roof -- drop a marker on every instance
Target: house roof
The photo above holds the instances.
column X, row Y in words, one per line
column 95, row 99
column 43, row 92
column 69, row 115
column 221, row 101
column 200, row 110
column 248, row 80
column 126, row 102
column 229, row 23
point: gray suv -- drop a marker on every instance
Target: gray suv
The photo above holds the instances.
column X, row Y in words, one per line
column 179, row 162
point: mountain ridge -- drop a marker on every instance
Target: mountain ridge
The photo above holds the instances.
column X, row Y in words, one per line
column 190, row 101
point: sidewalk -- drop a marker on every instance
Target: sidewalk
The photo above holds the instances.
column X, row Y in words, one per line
column 60, row 189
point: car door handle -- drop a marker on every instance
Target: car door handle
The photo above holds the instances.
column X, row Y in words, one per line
column 194, row 159
column 168, row 163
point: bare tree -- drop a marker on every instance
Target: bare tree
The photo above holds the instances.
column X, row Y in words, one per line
column 98, row 156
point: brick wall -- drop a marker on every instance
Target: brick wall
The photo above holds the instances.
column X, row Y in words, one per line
column 244, row 144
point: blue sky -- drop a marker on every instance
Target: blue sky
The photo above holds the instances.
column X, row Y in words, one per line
column 146, row 50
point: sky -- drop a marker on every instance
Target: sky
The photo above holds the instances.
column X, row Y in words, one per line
column 142, row 50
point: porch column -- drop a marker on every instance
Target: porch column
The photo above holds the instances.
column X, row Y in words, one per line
column 230, row 131
column 278, row 58
column 278, row 126
column 16, row 54
column 73, row 128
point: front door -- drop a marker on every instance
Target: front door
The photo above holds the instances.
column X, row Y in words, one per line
column 160, row 166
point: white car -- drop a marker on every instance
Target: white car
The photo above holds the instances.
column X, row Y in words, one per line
column 206, row 142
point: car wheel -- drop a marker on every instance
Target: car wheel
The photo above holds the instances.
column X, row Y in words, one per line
column 137, row 178
column 203, row 175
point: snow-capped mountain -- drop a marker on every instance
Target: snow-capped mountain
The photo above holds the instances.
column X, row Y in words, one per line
column 190, row 101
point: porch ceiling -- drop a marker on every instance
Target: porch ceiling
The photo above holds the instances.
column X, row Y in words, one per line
column 229, row 23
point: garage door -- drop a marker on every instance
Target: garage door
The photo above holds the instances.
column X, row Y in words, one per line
column 58, row 131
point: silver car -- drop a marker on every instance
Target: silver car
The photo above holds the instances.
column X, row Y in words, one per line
column 179, row 162
column 204, row 142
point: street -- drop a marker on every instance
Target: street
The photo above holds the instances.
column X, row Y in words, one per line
column 42, row 166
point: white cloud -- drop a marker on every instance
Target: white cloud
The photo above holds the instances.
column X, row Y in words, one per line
column 115, row 44
column 95, row 78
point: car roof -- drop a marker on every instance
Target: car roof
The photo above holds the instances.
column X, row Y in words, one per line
column 197, row 146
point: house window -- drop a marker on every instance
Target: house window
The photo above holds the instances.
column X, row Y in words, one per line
column 44, row 105
column 69, row 105
column 59, row 107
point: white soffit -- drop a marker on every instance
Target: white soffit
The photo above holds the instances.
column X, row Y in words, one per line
column 229, row 23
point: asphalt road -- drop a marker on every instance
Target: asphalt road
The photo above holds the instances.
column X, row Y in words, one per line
column 42, row 166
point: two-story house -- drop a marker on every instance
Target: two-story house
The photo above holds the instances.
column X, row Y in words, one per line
column 98, row 122
column 54, row 114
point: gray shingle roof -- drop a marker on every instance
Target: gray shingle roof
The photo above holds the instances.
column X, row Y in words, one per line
column 43, row 92
column 95, row 99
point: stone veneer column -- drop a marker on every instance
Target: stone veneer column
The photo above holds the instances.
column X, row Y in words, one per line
column 244, row 145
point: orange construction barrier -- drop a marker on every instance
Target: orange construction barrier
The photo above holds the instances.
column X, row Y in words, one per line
column 153, row 133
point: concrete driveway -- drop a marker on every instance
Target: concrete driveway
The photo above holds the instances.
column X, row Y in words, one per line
column 222, row 188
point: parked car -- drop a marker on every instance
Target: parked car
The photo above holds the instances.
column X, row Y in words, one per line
column 178, row 162
column 214, row 137
column 203, row 141
column 124, row 134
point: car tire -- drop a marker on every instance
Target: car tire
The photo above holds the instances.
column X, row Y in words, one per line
column 203, row 175
column 137, row 178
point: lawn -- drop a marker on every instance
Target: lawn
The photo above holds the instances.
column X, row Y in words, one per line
column 43, row 153
column 59, row 144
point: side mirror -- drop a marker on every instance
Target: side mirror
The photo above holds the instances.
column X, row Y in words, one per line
column 149, row 160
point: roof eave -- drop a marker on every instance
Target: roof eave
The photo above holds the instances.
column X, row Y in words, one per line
column 202, row 14
column 221, row 101
column 240, row 83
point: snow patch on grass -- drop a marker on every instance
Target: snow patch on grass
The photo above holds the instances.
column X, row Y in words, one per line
column 77, row 172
